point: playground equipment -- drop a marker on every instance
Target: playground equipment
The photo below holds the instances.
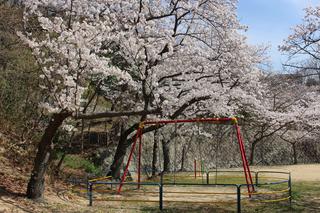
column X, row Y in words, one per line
column 231, row 121
column 225, row 187
column 214, row 187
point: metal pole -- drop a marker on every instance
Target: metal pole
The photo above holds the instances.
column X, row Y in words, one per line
column 216, row 176
column 139, row 160
column 290, row 191
column 195, row 168
column 90, row 194
column 161, row 196
column 161, row 178
column 130, row 156
column 202, row 170
column 244, row 162
column 216, row 120
column 87, row 185
column 247, row 165
column 238, row 198
column 175, row 153
column 161, row 192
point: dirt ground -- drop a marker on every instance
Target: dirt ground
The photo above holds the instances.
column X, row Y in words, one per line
column 60, row 199
column 301, row 172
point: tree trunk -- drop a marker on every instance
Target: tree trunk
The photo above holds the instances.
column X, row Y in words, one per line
column 124, row 143
column 166, row 155
column 252, row 149
column 183, row 158
column 118, row 158
column 58, row 167
column 295, row 158
column 154, row 152
column 35, row 187
column 121, row 150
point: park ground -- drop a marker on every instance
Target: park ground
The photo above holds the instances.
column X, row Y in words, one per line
column 59, row 198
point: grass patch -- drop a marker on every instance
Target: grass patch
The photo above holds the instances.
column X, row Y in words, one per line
column 77, row 162
column 305, row 198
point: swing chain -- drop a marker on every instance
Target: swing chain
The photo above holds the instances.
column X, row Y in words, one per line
column 175, row 152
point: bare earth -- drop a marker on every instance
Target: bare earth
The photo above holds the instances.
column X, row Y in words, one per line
column 65, row 201
column 301, row 172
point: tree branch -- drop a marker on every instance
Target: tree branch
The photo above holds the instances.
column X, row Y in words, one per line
column 187, row 104
column 111, row 114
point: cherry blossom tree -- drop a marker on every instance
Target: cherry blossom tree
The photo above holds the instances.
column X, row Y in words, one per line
column 282, row 108
column 169, row 57
column 187, row 58
column 67, row 39
column 296, row 136
column 302, row 46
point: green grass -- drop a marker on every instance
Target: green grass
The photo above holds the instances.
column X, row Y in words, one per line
column 77, row 162
column 305, row 198
column 222, row 179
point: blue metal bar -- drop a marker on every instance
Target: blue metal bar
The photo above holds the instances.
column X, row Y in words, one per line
column 290, row 190
column 161, row 184
column 160, row 197
column 239, row 198
column 90, row 194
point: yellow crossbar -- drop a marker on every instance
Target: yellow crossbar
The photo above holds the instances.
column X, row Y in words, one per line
column 124, row 200
column 278, row 178
column 199, row 193
column 263, row 193
column 275, row 200
column 100, row 178
column 184, row 192
column 181, row 192
column 172, row 201
column 204, row 202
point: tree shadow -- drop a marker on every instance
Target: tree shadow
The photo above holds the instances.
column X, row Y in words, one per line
column 6, row 192
column 12, row 195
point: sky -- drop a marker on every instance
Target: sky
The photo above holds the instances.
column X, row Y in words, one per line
column 271, row 21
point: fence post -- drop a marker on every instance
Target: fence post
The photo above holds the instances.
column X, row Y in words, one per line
column 257, row 178
column 216, row 177
column 239, row 198
column 195, row 168
column 87, row 185
column 290, row 191
column 90, row 194
column 207, row 177
column 161, row 178
column 160, row 196
column 161, row 192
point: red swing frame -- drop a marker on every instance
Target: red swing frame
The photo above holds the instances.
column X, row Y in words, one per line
column 233, row 121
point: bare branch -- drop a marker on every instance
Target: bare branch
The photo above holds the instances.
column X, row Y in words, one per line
column 112, row 114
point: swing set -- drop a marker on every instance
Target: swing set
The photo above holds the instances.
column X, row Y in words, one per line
column 227, row 121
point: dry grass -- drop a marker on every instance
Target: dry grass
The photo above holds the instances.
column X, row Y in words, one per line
column 60, row 198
